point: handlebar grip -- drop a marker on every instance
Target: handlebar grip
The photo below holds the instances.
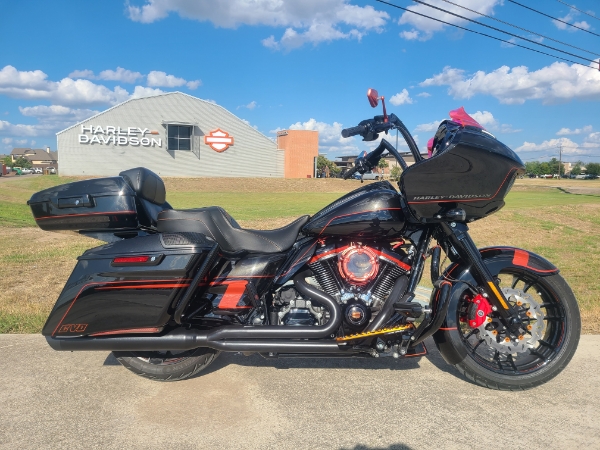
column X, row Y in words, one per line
column 353, row 131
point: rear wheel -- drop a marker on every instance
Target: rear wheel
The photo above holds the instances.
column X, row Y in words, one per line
column 550, row 330
column 167, row 365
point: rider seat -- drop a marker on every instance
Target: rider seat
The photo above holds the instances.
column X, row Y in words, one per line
column 216, row 223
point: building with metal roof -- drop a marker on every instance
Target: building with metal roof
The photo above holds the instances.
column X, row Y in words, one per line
column 172, row 134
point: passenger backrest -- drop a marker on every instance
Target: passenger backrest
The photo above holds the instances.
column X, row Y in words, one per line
column 146, row 184
column 151, row 193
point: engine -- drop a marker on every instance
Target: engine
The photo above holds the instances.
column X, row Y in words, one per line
column 359, row 277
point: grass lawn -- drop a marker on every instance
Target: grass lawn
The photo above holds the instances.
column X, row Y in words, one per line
column 562, row 227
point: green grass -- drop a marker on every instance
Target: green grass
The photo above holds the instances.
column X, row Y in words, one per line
column 546, row 197
column 252, row 205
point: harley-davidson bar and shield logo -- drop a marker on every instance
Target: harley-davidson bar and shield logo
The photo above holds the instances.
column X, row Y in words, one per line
column 218, row 140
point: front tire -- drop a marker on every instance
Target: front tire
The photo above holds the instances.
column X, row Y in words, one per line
column 552, row 325
column 169, row 365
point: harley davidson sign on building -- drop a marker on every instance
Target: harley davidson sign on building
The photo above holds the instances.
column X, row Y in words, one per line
column 218, row 140
column 109, row 135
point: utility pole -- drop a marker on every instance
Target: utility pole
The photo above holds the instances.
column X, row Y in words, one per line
column 559, row 160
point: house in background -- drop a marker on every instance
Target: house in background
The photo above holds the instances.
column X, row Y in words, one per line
column 38, row 157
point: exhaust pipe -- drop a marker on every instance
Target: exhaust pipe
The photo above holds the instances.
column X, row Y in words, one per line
column 239, row 339
column 189, row 340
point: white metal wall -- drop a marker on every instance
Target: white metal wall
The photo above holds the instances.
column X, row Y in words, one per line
column 252, row 155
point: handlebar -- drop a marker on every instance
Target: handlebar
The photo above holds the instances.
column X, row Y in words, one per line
column 369, row 130
column 354, row 131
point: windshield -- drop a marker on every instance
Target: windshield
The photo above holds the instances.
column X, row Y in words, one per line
column 460, row 116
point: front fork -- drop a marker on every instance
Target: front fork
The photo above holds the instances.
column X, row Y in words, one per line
column 457, row 235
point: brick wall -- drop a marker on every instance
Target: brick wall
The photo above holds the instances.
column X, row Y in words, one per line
column 301, row 147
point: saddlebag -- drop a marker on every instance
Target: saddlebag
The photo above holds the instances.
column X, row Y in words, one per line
column 129, row 286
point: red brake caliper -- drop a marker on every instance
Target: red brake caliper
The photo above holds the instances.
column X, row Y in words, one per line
column 479, row 309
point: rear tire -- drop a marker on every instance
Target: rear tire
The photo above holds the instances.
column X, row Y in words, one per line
column 167, row 366
column 550, row 346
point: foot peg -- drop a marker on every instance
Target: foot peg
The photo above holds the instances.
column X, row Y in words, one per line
column 408, row 309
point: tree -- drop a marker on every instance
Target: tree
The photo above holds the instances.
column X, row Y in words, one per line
column 576, row 170
column 395, row 173
column 593, row 168
column 545, row 168
column 382, row 165
column 7, row 160
column 533, row 167
column 323, row 162
column 22, row 162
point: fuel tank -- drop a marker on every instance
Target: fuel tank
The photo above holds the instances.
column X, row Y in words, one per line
column 369, row 212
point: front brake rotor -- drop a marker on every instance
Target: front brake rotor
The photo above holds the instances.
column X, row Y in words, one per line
column 532, row 317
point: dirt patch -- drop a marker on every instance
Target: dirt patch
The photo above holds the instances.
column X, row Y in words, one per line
column 581, row 190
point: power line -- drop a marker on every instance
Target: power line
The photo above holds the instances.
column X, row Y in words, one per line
column 554, row 18
column 506, row 32
column 484, row 34
column 577, row 9
column 520, row 28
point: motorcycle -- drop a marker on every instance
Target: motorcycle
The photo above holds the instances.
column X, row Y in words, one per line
column 171, row 289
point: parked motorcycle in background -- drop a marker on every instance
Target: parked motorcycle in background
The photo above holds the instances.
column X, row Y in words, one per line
column 171, row 289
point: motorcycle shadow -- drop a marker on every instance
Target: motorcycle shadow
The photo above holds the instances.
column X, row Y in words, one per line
column 385, row 363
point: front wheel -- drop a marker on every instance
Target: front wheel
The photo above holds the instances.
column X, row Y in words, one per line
column 168, row 365
column 551, row 326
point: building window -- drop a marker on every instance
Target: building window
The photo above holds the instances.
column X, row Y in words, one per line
column 179, row 137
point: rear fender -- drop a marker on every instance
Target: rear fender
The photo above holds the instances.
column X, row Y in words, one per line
column 496, row 259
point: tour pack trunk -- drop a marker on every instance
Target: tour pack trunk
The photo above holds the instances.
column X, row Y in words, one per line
column 100, row 204
column 129, row 286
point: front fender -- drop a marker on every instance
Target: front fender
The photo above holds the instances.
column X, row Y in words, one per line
column 496, row 259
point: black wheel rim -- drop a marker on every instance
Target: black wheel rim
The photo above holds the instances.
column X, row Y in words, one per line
column 540, row 354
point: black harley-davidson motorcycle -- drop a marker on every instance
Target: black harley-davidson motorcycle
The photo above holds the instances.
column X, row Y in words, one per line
column 171, row 289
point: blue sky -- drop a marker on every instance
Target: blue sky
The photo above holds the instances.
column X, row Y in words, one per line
column 303, row 64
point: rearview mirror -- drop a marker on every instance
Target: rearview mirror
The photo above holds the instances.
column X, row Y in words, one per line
column 373, row 97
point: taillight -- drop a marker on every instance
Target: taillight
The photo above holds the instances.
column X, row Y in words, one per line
column 144, row 260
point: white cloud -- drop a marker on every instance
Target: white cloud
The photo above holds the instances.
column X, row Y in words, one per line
column 568, row 131
column 484, row 118
column 424, row 94
column 330, row 136
column 428, row 127
column 423, row 27
column 401, row 98
column 193, row 85
column 161, row 79
column 142, row 91
column 569, row 19
column 54, row 113
column 411, row 35
column 19, row 130
column 51, row 119
column 552, row 146
column 210, row 101
column 557, row 82
column 311, row 21
column 82, row 74
column 250, row 105
column 33, row 85
column 122, row 75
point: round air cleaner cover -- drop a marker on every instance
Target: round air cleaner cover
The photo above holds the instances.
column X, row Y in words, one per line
column 358, row 265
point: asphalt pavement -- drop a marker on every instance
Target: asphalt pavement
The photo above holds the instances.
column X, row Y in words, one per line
column 86, row 400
